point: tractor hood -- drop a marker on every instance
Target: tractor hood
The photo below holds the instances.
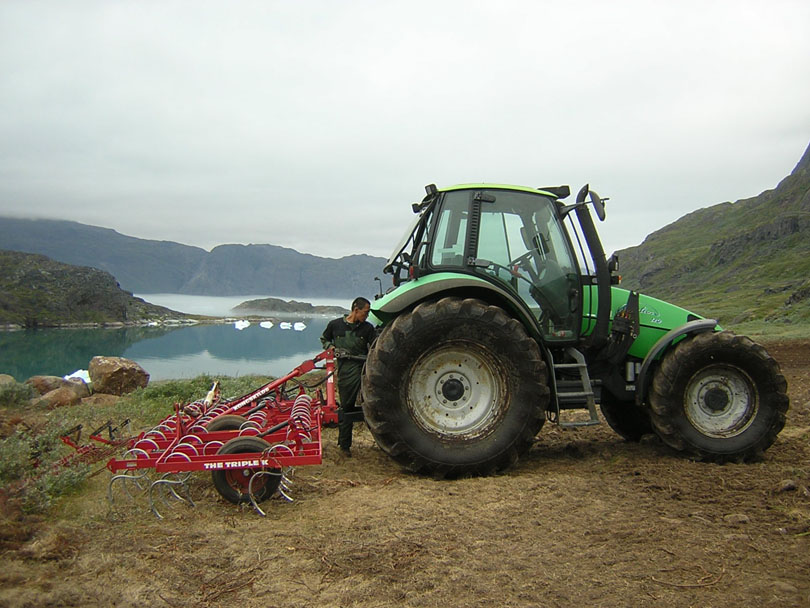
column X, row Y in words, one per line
column 656, row 318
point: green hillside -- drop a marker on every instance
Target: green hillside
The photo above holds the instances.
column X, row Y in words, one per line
column 745, row 263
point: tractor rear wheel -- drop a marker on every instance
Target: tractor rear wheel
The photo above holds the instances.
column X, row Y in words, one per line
column 626, row 418
column 455, row 387
column 719, row 396
column 234, row 484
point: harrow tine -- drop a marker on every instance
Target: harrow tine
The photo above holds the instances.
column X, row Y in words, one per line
column 181, row 480
column 285, row 487
column 253, row 501
column 124, row 478
column 170, row 483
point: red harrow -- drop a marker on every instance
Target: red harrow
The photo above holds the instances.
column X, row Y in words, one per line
column 249, row 443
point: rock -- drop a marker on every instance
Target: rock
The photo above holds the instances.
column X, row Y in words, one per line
column 6, row 379
column 45, row 384
column 116, row 375
column 78, row 386
column 783, row 587
column 787, row 485
column 60, row 397
column 101, row 399
column 737, row 519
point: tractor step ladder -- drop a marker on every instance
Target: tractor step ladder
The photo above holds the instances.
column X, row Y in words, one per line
column 575, row 391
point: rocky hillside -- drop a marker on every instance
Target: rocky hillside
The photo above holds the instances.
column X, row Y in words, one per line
column 742, row 261
column 36, row 291
column 147, row 266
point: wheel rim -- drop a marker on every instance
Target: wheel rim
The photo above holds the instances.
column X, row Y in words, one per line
column 456, row 390
column 721, row 401
column 239, row 480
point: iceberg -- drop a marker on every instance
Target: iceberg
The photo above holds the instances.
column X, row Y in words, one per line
column 81, row 374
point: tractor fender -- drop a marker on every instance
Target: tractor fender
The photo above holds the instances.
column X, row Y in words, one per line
column 692, row 327
column 411, row 293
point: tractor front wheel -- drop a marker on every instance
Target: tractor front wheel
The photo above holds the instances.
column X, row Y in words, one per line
column 719, row 396
column 455, row 387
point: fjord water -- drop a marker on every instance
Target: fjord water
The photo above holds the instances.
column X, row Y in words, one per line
column 170, row 352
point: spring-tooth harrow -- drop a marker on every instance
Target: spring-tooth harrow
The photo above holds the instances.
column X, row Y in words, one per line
column 249, row 444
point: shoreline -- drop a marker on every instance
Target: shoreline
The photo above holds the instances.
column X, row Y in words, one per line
column 188, row 321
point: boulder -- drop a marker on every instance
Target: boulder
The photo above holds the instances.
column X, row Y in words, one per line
column 6, row 379
column 45, row 384
column 116, row 375
column 78, row 386
column 60, row 397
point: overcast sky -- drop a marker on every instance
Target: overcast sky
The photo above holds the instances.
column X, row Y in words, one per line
column 314, row 124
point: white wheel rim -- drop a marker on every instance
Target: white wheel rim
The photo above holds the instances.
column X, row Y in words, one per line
column 721, row 401
column 456, row 390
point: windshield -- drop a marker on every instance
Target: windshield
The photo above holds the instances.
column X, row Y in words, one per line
column 404, row 240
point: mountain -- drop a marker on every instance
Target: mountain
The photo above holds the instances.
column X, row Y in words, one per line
column 148, row 266
column 244, row 269
column 742, row 261
column 36, row 291
column 138, row 264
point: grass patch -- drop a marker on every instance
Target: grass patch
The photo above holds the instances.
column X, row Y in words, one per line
column 16, row 394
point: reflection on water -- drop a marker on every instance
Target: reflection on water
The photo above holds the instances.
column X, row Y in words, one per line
column 180, row 352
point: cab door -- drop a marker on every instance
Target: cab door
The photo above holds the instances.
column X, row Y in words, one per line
column 520, row 235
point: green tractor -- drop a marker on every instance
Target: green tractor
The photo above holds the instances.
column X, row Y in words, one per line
column 495, row 325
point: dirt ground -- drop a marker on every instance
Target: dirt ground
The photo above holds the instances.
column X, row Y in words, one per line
column 584, row 519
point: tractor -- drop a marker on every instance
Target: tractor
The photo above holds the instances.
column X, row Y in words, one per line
column 505, row 313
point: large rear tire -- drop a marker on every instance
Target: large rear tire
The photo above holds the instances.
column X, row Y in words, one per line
column 234, row 485
column 455, row 387
column 720, row 397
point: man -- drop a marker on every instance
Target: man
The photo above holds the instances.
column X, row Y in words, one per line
column 351, row 337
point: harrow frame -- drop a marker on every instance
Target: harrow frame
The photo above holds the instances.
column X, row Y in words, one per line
column 180, row 444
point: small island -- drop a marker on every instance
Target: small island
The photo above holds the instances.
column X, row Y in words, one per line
column 263, row 306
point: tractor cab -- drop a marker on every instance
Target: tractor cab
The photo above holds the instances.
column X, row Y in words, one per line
column 514, row 239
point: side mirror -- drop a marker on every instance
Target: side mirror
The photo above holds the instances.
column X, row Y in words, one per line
column 598, row 205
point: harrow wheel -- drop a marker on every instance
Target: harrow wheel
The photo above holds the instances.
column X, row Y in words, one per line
column 234, row 485
column 229, row 422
